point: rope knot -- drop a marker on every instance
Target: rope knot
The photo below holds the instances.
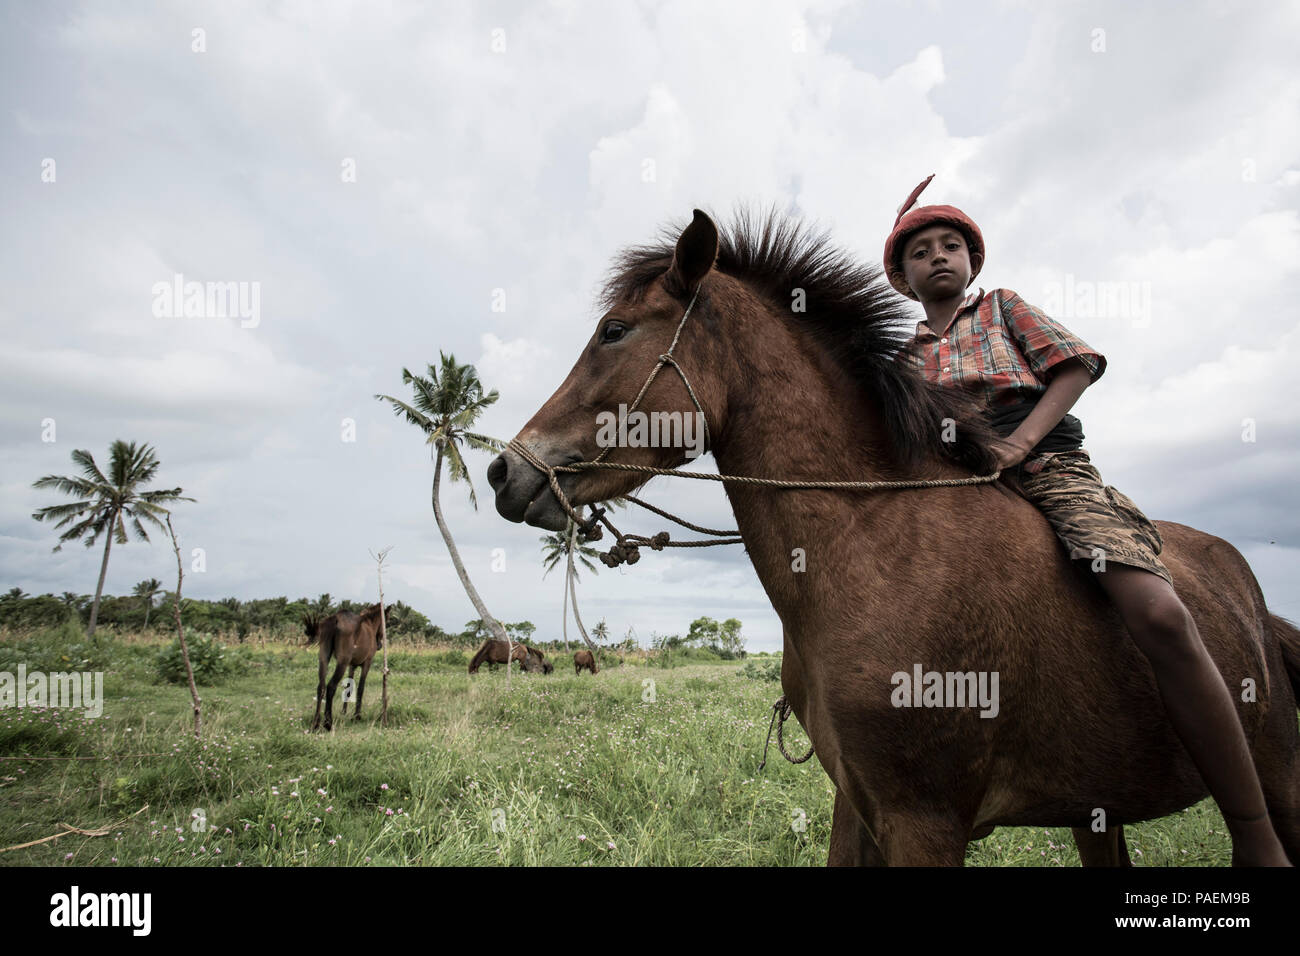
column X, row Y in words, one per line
column 659, row 541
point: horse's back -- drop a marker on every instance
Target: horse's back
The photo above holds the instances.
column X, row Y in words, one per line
column 1205, row 568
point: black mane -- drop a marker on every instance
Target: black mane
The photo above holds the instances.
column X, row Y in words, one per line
column 850, row 310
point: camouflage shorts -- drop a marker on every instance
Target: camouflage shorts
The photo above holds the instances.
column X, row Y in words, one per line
column 1090, row 518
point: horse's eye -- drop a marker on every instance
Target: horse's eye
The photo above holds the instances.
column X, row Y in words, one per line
column 612, row 332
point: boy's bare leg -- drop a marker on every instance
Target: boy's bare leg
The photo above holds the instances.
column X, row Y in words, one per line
column 1199, row 707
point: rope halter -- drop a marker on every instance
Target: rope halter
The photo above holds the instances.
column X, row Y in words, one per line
column 627, row 547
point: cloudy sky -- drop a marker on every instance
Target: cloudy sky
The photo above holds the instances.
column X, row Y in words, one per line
column 380, row 171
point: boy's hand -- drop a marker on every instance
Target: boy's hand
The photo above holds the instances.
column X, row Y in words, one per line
column 1010, row 452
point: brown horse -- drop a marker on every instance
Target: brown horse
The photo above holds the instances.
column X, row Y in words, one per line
column 790, row 351
column 351, row 639
column 532, row 660
column 583, row 659
column 537, row 663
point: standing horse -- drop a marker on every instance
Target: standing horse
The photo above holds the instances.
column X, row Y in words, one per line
column 585, row 659
column 352, row 640
column 790, row 356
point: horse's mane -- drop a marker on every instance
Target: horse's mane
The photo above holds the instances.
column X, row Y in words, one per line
column 851, row 311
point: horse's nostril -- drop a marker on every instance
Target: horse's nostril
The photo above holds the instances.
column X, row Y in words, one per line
column 496, row 472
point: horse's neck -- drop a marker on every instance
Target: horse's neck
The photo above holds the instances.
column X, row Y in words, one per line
column 801, row 417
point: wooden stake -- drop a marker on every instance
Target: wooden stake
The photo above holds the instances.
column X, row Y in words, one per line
column 383, row 630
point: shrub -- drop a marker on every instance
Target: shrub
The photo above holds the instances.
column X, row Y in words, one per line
column 451, row 659
column 209, row 658
column 61, row 648
column 766, row 669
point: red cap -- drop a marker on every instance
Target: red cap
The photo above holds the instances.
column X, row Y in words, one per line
column 909, row 222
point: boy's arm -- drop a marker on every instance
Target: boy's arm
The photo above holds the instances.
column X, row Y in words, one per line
column 1061, row 359
column 1069, row 378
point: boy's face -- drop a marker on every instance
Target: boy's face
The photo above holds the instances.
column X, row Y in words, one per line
column 936, row 262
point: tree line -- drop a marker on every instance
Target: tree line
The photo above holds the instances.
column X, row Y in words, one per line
column 444, row 406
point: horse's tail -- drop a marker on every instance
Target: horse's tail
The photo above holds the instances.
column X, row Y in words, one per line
column 1288, row 638
column 325, row 632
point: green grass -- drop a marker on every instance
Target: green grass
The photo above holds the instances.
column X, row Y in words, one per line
column 559, row 770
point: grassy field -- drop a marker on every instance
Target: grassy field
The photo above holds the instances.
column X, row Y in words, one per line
column 558, row 770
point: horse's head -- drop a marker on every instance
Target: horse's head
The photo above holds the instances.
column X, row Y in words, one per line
column 591, row 412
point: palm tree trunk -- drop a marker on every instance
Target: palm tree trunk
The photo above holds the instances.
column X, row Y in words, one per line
column 572, row 530
column 493, row 625
column 180, row 634
column 103, row 572
column 148, row 603
column 573, row 594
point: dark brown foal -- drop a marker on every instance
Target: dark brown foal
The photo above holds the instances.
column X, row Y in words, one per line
column 352, row 640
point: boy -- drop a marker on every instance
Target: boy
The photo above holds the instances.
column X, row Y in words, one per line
column 1032, row 370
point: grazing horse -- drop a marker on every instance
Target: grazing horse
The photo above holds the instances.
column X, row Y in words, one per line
column 585, row 659
column 351, row 639
column 790, row 355
column 537, row 662
column 530, row 659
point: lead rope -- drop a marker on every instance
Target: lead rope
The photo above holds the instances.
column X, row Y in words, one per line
column 783, row 710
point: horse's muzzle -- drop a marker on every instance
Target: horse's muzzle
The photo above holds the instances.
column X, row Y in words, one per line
column 523, row 493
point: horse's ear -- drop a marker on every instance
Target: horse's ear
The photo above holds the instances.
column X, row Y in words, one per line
column 696, row 252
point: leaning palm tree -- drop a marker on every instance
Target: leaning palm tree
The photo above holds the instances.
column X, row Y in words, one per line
column 564, row 544
column 147, row 590
column 105, row 502
column 445, row 407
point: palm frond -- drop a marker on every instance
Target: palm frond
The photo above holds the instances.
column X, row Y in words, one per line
column 70, row 510
column 485, row 442
column 413, row 415
column 458, row 472
column 88, row 467
column 79, row 487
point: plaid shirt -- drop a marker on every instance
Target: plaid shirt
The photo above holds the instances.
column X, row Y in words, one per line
column 1000, row 347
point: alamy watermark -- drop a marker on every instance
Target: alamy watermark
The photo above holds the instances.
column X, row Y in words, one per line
column 61, row 691
column 1086, row 299
column 946, row 689
column 638, row 429
column 179, row 299
column 75, row 908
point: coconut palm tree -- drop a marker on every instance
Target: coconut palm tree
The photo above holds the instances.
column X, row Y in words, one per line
column 105, row 502
column 564, row 544
column 447, row 403
column 148, row 589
